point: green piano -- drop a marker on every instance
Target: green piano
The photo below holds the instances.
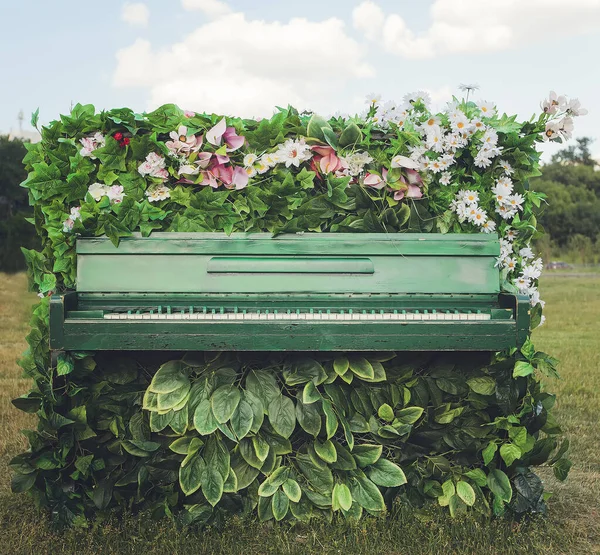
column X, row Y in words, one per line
column 293, row 292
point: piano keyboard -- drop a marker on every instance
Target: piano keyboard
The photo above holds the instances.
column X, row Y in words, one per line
column 192, row 313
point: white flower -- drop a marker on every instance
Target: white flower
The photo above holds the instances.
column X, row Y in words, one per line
column 115, row 194
column 269, row 159
column 506, row 212
column 468, row 197
column 526, row 253
column 515, row 201
column 490, row 138
column 97, row 190
column 554, row 103
column 435, row 166
column 434, row 139
column 410, row 98
column 510, row 264
column 399, row 161
column 506, row 167
column 416, row 151
column 511, row 234
column 373, row 98
column 356, row 162
column 482, row 161
column 522, row 284
column 445, row 178
column 478, row 125
column 293, row 152
column 68, row 225
column 566, row 127
column 446, row 161
column 454, row 141
column 460, row 123
column 154, row 166
column 489, row 226
column 488, row 109
column 535, row 297
column 502, row 191
column 76, row 213
column 250, row 159
column 182, row 143
column 157, row 193
column 97, row 140
column 251, row 171
column 478, row 216
column 187, row 169
column 542, row 320
column 530, row 272
column 574, row 108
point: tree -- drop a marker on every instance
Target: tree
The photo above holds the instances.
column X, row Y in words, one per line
column 576, row 154
column 15, row 231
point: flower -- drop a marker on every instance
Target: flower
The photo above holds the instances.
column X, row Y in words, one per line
column 189, row 114
column 97, row 140
column 157, row 193
column 373, row 98
column 374, row 180
column 70, row 221
column 292, row 152
column 118, row 136
column 460, row 123
column 356, row 162
column 502, row 190
column 505, row 211
column 411, row 98
column 526, row 253
column 220, row 132
column 508, row 170
column 469, row 197
column 510, row 234
column 97, row 190
column 250, row 159
column 510, row 264
column 327, row 159
column 468, row 87
column 154, row 166
column 574, row 108
column 182, row 143
column 522, row 284
column 554, row 103
column 488, row 109
column 240, row 178
column 68, row 225
column 115, row 194
column 478, row 216
column 445, row 178
column 489, row 226
column 515, row 201
column 435, row 138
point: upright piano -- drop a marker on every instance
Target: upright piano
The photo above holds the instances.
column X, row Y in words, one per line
column 293, row 292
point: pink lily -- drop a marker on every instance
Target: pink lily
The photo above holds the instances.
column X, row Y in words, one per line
column 327, row 159
column 223, row 173
column 232, row 139
column 376, row 181
column 221, row 132
column 240, row 178
column 412, row 191
column 209, row 179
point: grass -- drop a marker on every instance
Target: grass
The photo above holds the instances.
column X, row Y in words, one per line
column 572, row 526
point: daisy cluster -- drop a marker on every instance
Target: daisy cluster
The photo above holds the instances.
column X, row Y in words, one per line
column 561, row 127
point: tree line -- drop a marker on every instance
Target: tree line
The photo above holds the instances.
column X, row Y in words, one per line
column 571, row 217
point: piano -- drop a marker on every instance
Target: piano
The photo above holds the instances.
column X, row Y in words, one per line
column 293, row 292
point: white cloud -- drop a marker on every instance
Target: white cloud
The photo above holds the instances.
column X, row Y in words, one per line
column 135, row 13
column 476, row 26
column 254, row 67
column 212, row 8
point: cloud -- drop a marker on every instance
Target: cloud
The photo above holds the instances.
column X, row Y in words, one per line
column 478, row 26
column 250, row 69
column 212, row 8
column 135, row 13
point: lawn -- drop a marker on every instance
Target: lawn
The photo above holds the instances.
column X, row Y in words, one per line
column 572, row 525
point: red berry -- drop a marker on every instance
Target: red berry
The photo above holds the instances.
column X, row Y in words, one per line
column 126, row 141
column 118, row 136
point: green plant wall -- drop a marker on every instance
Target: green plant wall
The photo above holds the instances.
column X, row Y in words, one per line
column 196, row 436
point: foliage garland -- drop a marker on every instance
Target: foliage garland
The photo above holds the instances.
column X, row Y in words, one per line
column 295, row 435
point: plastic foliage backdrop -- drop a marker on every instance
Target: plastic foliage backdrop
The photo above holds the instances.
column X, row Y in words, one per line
column 197, row 436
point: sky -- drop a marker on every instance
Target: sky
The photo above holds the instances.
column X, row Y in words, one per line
column 243, row 57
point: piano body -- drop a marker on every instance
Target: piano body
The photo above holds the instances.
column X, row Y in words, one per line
column 294, row 292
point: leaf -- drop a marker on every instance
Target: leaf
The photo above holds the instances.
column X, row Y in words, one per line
column 331, row 422
column 241, row 421
column 310, row 393
column 488, row 452
column 366, row 455
column 169, row 377
column 309, row 418
column 292, row 489
column 212, row 484
column 386, row 412
column 361, row 367
column 341, row 365
column 367, row 494
column 409, row 415
column 523, row 368
column 387, row 474
column 499, row 485
column 341, row 498
column 315, row 127
column 190, row 475
column 224, row 401
column 263, row 385
column 102, row 493
column 465, row 492
column 276, row 479
column 204, row 419
column 20, row 483
column 482, row 385
column 351, row 135
column 326, row 451
column 510, row 453
column 282, row 415
column 561, row 469
column 478, row 476
column 280, row 505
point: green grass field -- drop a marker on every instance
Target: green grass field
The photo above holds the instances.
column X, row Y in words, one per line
column 572, row 333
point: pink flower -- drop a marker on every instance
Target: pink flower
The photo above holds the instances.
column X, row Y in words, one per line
column 116, row 194
column 182, row 143
column 189, row 114
column 240, row 178
column 221, row 132
column 68, row 225
column 209, row 179
column 375, row 181
column 223, row 173
column 327, row 159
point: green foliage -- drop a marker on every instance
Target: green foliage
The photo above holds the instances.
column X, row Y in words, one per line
column 288, row 436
